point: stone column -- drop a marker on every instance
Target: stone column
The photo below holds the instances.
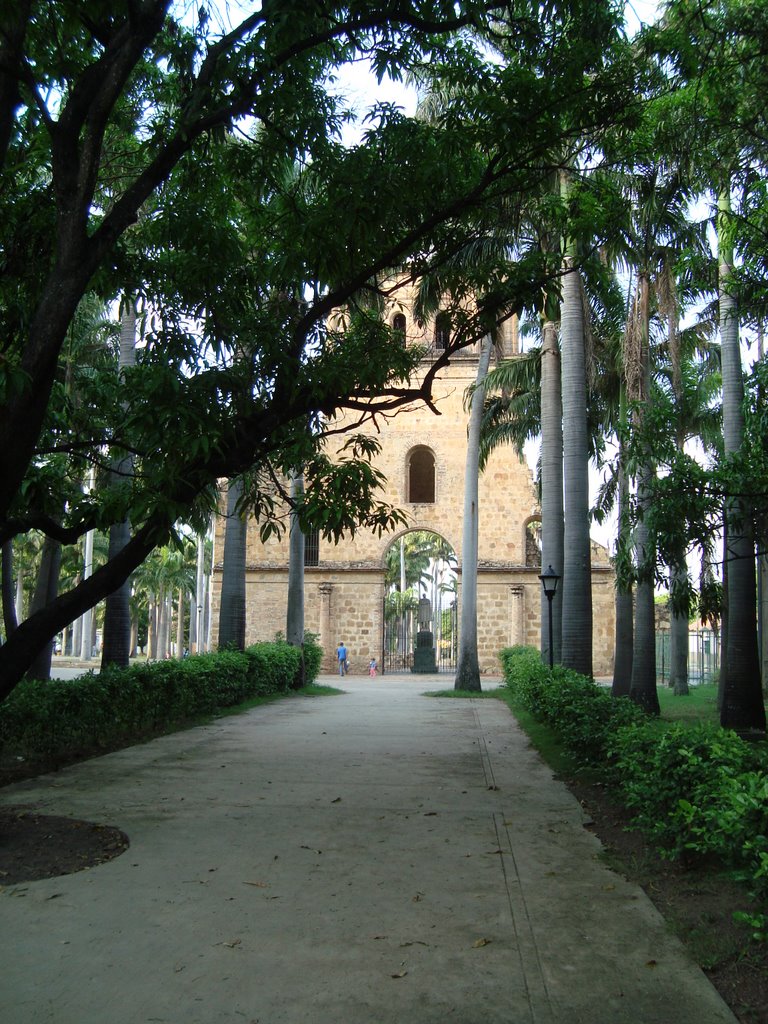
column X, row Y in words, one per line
column 516, row 617
column 327, row 642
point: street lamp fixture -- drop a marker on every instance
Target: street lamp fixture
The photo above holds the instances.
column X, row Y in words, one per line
column 549, row 580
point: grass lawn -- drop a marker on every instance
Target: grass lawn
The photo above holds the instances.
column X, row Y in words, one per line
column 700, row 705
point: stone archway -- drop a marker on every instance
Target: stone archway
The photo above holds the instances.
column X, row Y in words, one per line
column 419, row 614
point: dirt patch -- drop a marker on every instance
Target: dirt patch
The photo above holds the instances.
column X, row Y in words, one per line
column 696, row 901
column 35, row 846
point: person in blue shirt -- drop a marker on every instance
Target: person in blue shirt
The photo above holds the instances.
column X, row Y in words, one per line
column 341, row 654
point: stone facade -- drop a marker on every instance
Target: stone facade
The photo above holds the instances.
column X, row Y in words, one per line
column 344, row 592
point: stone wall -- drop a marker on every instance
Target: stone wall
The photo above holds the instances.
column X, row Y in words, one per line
column 345, row 591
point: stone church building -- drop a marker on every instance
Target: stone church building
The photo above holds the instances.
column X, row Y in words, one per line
column 423, row 459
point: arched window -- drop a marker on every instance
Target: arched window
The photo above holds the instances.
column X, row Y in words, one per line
column 421, row 475
column 398, row 327
column 533, row 543
column 442, row 330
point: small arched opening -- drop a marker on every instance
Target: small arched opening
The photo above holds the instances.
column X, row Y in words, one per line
column 420, row 475
column 399, row 325
column 532, row 542
column 442, row 330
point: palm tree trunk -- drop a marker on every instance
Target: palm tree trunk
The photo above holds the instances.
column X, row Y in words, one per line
column 678, row 645
column 624, row 603
column 180, row 625
column 743, row 709
column 46, row 590
column 577, row 554
column 762, row 559
column 19, row 603
column 116, row 648
column 232, row 610
column 643, row 687
column 468, row 666
column 86, row 650
column 10, row 621
column 552, row 525
column 678, row 573
column 162, row 625
column 152, row 625
column 294, row 624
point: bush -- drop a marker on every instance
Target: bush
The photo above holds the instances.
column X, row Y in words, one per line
column 584, row 716
column 58, row 719
column 694, row 790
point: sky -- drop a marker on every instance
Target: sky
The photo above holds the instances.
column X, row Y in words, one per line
column 360, row 88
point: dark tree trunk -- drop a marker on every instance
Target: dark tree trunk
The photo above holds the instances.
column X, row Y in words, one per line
column 46, row 589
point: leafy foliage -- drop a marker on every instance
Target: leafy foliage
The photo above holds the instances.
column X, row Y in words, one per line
column 196, row 168
column 56, row 719
column 695, row 790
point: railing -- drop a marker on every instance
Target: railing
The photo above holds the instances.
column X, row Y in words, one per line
column 399, row 641
column 703, row 656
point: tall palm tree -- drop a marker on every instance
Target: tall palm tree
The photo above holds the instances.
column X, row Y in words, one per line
column 643, row 686
column 116, row 648
column 742, row 708
column 577, row 554
column 656, row 231
column 232, row 609
column 468, row 665
column 46, row 590
column 294, row 625
column 552, row 512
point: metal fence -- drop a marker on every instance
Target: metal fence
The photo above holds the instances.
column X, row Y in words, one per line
column 703, row 656
column 399, row 641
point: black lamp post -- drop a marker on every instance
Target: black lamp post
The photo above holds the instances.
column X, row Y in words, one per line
column 549, row 580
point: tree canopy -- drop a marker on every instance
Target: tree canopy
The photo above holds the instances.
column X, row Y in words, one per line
column 155, row 154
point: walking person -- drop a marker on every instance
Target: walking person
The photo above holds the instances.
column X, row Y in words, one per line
column 372, row 668
column 341, row 654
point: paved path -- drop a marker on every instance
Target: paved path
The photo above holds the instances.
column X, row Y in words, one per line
column 373, row 858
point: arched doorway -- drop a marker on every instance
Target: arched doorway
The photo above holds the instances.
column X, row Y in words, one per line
column 420, row 622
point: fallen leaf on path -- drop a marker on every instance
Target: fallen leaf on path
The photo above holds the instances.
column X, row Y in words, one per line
column 651, row 963
column 478, row 943
column 399, row 974
column 259, row 885
column 337, row 800
column 232, row 944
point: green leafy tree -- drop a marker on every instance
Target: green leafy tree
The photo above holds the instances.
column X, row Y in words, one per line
column 122, row 131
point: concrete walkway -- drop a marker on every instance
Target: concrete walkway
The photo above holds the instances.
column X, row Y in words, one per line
column 373, row 858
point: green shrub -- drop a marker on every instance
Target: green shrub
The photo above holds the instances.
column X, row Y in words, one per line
column 313, row 656
column 695, row 790
column 56, row 719
column 583, row 715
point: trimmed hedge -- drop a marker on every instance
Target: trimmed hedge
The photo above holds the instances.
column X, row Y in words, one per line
column 583, row 714
column 697, row 791
column 57, row 719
